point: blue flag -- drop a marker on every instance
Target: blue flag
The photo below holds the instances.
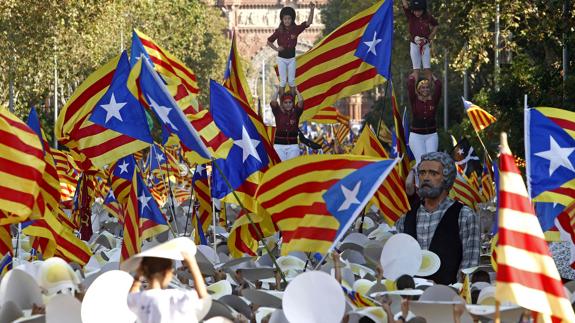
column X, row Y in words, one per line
column 247, row 154
column 393, row 151
column 405, row 123
column 156, row 158
column 376, row 43
column 34, row 124
column 124, row 168
column 169, row 114
column 147, row 206
column 110, row 197
column 346, row 198
column 550, row 151
column 137, row 50
column 119, row 110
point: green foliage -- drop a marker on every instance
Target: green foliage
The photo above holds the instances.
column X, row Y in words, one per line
column 81, row 35
column 532, row 35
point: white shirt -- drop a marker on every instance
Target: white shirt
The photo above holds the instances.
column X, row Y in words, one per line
column 410, row 315
column 165, row 305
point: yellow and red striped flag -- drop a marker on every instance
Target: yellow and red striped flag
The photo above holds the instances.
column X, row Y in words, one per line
column 330, row 115
column 6, row 249
column 465, row 192
column 292, row 192
column 203, row 212
column 526, row 273
column 244, row 237
column 92, row 144
column 67, row 168
column 353, row 58
column 341, row 132
column 5, row 240
column 131, row 243
column 164, row 63
column 480, row 119
column 22, row 168
column 356, row 299
column 487, row 184
column 235, row 79
column 50, row 184
column 390, row 198
column 565, row 223
column 61, row 239
column 400, row 139
column 465, row 292
column 384, row 133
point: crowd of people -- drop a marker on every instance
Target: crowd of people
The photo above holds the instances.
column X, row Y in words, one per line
column 433, row 265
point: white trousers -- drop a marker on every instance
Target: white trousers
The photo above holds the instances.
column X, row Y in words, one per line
column 422, row 144
column 417, row 57
column 286, row 152
column 286, row 69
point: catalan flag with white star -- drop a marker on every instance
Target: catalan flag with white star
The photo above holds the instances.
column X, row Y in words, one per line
column 313, row 199
column 353, row 58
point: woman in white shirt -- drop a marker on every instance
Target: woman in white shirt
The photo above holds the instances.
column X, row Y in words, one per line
column 157, row 304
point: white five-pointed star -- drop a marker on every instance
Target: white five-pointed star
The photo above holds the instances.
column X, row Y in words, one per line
column 123, row 167
column 372, row 44
column 557, row 156
column 162, row 112
column 350, row 196
column 111, row 194
column 460, row 151
column 200, row 169
column 248, row 146
column 159, row 158
column 144, row 201
column 113, row 109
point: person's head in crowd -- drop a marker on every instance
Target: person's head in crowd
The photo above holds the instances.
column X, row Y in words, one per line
column 417, row 319
column 475, row 296
column 365, row 319
column 157, row 271
column 405, row 282
column 480, row 276
column 423, row 88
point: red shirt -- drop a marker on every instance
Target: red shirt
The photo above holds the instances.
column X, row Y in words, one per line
column 423, row 112
column 287, row 38
column 419, row 26
column 287, row 124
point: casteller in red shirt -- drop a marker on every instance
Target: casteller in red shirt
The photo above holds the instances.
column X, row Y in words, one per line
column 287, row 119
column 287, row 38
column 423, row 111
column 421, row 26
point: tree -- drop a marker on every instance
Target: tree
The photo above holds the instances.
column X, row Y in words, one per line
column 82, row 35
column 532, row 34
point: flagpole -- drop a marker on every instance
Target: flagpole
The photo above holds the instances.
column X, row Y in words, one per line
column 169, row 190
column 497, row 314
column 385, row 96
column 18, row 240
column 274, row 260
column 483, row 145
column 527, row 135
column 214, row 224
column 189, row 206
column 55, row 100
column 170, row 193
